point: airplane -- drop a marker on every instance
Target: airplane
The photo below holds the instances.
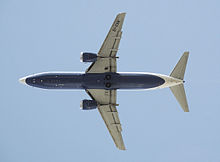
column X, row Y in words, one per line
column 101, row 81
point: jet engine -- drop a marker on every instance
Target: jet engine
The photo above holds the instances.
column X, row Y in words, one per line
column 88, row 57
column 88, row 104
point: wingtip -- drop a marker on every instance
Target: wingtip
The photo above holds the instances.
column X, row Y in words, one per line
column 122, row 14
column 122, row 148
column 186, row 110
column 186, row 53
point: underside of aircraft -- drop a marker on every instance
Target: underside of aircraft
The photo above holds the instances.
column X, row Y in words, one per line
column 101, row 81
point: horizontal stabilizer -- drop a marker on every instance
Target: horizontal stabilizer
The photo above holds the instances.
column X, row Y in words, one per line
column 179, row 93
column 179, row 70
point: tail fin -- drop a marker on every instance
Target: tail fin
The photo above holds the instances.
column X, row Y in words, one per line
column 178, row 90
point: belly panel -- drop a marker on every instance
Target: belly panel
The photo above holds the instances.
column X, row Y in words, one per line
column 56, row 81
column 121, row 81
column 95, row 81
column 139, row 81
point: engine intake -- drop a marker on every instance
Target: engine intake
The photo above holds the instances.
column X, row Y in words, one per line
column 88, row 57
column 88, row 104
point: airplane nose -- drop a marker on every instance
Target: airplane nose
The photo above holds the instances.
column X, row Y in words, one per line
column 22, row 80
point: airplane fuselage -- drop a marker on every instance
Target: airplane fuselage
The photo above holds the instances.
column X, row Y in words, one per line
column 71, row 80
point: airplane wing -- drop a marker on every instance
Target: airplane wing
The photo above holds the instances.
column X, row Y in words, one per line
column 107, row 107
column 106, row 61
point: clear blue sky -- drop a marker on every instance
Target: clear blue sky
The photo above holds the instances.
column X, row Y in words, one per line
column 41, row 126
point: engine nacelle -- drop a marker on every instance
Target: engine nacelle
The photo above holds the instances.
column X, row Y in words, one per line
column 88, row 104
column 88, row 57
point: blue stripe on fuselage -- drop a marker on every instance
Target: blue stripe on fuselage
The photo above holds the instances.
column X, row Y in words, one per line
column 94, row 81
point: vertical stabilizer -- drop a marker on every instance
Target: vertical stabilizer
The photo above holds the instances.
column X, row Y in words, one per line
column 179, row 70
